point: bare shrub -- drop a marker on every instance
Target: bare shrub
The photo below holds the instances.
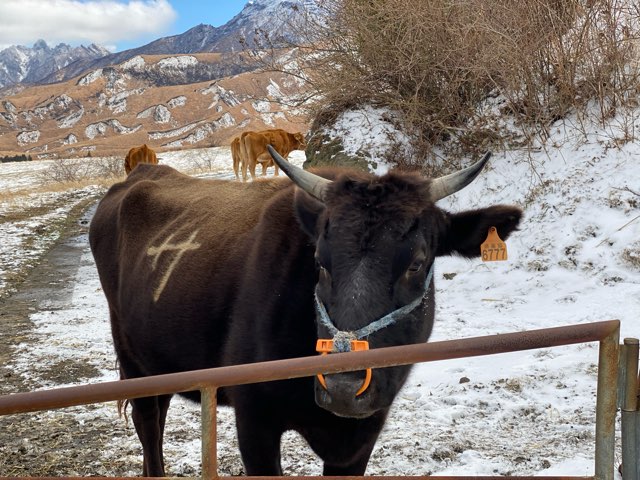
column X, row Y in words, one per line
column 631, row 256
column 82, row 170
column 67, row 170
column 108, row 167
column 201, row 163
column 456, row 70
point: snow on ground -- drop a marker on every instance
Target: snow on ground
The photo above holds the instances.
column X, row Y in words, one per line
column 574, row 261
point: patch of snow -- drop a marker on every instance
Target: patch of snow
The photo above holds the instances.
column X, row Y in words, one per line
column 25, row 138
column 182, row 61
column 220, row 93
column 118, row 103
column 172, row 133
column 273, row 89
column 90, row 77
column 261, row 106
column 9, row 117
column 368, row 133
column 161, row 114
column 270, row 118
column 71, row 119
column 200, row 134
column 61, row 102
column 100, row 128
column 9, row 107
column 70, row 139
column 180, row 101
column 135, row 64
column 226, row 120
column 94, row 129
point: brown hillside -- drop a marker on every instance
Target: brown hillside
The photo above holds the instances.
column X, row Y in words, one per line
column 145, row 100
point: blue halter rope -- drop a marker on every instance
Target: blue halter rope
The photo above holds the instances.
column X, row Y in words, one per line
column 342, row 339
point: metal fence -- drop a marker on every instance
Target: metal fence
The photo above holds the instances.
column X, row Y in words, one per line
column 610, row 363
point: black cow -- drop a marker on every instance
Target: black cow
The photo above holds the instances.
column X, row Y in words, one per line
column 205, row 273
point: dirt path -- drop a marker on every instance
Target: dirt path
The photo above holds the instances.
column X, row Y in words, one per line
column 48, row 443
column 49, row 285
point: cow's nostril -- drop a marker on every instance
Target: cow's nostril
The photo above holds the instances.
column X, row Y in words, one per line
column 345, row 385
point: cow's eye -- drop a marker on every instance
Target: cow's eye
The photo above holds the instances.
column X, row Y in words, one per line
column 416, row 266
column 324, row 275
column 321, row 267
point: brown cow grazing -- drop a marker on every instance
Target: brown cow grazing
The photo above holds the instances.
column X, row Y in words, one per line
column 351, row 256
column 254, row 149
column 138, row 155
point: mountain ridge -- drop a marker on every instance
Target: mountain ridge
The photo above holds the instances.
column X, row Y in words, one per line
column 274, row 17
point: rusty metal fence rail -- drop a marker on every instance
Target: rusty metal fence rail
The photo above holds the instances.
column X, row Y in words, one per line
column 208, row 381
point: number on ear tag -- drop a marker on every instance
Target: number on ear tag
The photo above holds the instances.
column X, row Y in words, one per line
column 493, row 249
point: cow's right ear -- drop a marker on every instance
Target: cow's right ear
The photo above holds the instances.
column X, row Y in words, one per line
column 308, row 210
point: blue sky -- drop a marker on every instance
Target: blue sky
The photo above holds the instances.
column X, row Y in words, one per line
column 115, row 24
column 191, row 13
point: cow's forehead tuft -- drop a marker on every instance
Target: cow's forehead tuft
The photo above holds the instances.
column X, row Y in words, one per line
column 400, row 193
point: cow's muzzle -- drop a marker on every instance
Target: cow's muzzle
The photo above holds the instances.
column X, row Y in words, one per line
column 325, row 346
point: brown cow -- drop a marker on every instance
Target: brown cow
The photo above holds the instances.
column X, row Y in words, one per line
column 253, row 146
column 138, row 155
column 236, row 155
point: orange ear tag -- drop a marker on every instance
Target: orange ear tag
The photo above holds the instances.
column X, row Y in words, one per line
column 493, row 249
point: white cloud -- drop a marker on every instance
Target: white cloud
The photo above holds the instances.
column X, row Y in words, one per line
column 104, row 22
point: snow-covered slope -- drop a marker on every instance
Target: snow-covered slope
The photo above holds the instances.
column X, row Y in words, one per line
column 575, row 260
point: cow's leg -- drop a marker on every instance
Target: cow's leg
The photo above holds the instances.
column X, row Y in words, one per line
column 357, row 466
column 264, row 168
column 343, row 444
column 236, row 167
column 276, row 169
column 259, row 442
column 244, row 164
column 149, row 416
column 252, row 170
column 163, row 405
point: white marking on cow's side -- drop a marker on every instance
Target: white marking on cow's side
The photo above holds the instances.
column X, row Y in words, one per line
column 166, row 246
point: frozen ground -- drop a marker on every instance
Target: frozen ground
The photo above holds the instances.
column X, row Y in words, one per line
column 575, row 260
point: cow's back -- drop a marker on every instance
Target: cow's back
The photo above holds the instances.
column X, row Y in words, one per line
column 170, row 250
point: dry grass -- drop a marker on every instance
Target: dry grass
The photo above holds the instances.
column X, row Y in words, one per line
column 481, row 73
column 51, row 186
column 631, row 256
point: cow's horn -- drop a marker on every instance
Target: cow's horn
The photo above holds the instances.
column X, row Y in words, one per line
column 313, row 184
column 449, row 184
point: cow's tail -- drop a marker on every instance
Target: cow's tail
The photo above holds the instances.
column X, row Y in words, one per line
column 122, row 404
column 122, row 410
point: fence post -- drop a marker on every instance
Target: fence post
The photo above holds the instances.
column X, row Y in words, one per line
column 630, row 412
column 606, row 405
column 209, row 433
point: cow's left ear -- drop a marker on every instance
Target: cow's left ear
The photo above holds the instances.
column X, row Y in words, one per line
column 308, row 210
column 468, row 230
